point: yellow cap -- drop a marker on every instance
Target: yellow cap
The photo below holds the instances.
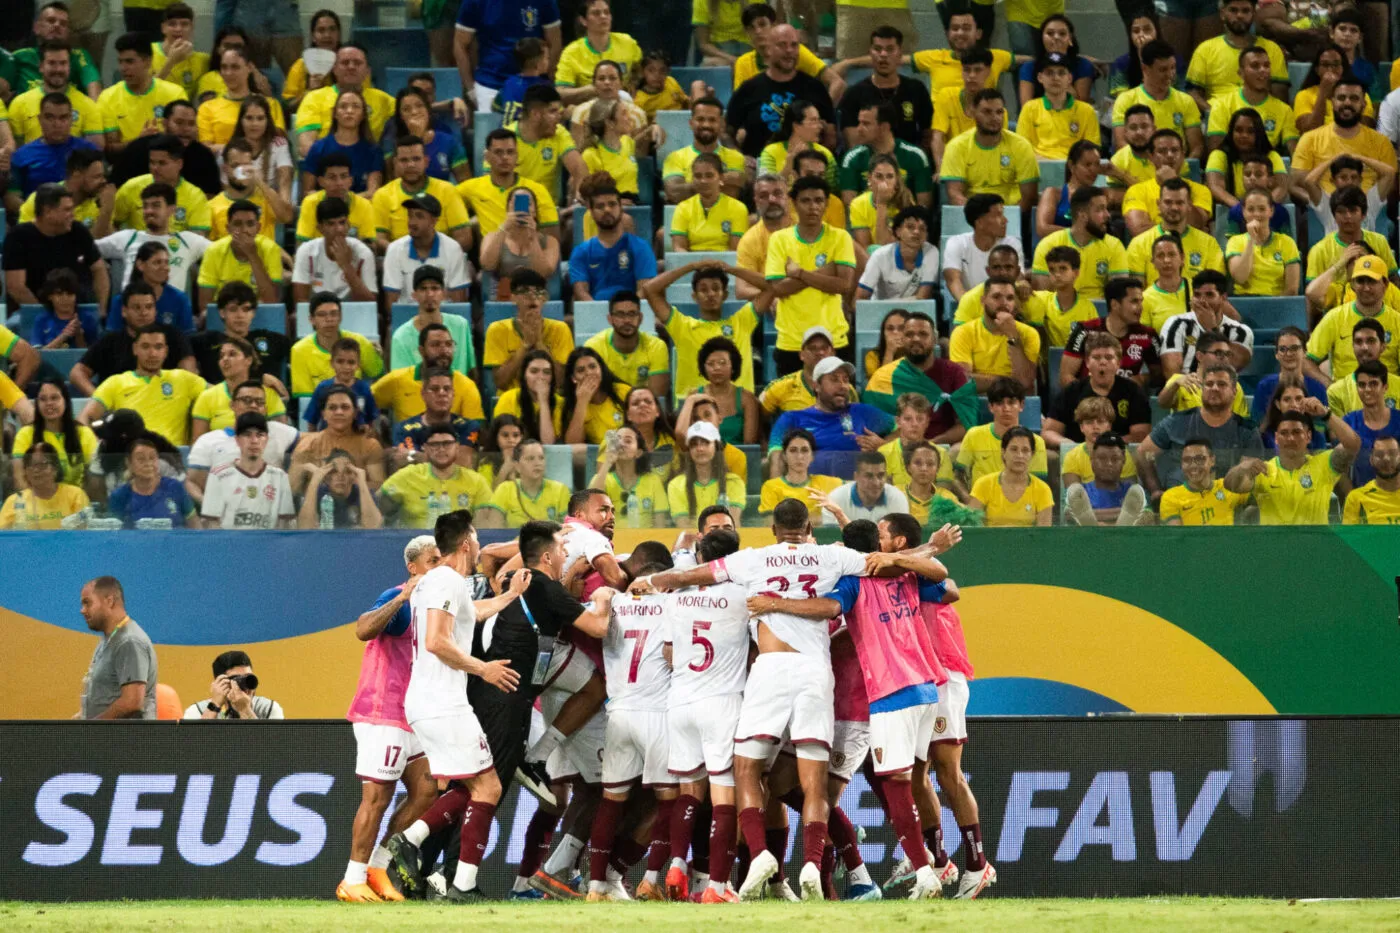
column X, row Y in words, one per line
column 1369, row 267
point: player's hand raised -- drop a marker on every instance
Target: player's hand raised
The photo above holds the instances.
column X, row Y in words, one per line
column 519, row 582
column 946, row 538
column 500, row 675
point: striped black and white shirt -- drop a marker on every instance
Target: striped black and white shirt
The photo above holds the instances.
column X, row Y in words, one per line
column 1180, row 332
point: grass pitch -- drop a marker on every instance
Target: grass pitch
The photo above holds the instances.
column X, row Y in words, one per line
column 984, row 916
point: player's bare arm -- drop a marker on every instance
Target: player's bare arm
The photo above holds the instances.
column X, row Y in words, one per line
column 818, row 610
column 440, row 644
column 892, row 565
column 594, row 622
column 371, row 624
column 703, row 575
column 519, row 582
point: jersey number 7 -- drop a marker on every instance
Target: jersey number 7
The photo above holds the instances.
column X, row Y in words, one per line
column 640, row 634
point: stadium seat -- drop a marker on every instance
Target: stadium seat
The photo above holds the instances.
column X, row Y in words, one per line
column 482, row 125
column 870, row 314
column 449, row 82
column 676, row 124
column 267, row 317
column 1261, row 364
column 401, row 314
column 646, row 183
column 401, row 47
column 954, row 222
column 719, row 78
column 755, row 462
column 62, row 360
column 667, row 213
column 1298, row 73
column 359, row 317
column 559, row 463
column 1267, row 316
column 838, row 463
column 676, row 260
column 591, row 317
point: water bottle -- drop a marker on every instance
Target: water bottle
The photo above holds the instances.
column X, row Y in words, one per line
column 21, row 519
column 435, row 508
column 634, row 510
column 327, row 508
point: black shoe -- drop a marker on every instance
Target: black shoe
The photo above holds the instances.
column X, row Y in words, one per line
column 456, row 895
column 532, row 776
column 404, row 871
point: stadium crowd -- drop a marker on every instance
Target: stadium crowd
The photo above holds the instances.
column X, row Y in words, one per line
column 247, row 296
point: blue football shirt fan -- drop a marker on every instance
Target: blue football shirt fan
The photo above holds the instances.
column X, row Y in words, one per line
column 497, row 25
column 610, row 270
column 41, row 163
column 838, row 425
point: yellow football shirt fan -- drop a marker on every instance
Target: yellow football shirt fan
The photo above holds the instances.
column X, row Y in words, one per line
column 1189, row 397
column 748, row 65
column 218, row 215
column 219, row 116
column 1296, row 497
column 1002, row 512
column 1001, row 169
column 689, row 335
column 1342, row 396
column 1271, row 262
column 488, row 202
column 1077, row 462
column 1321, row 145
column 724, row 19
column 1138, row 167
column 1213, row 506
column 400, row 392
column 215, row 406
column 709, row 229
column 620, row 163
column 541, row 160
column 1177, row 111
column 1099, row 260
column 1052, row 130
column 678, row 163
column 986, row 351
column 1306, row 98
column 809, row 307
column 898, row 473
column 1215, row 65
column 950, row 115
column 1202, row 252
column 945, row 68
column 550, row 504
column 220, row 266
column 163, row 401
column 317, row 110
column 310, row 363
column 184, row 75
column 503, row 339
column 362, row 218
column 1279, row 123
column 191, row 207
column 508, row 403
column 670, row 97
column 920, row 508
column 652, row 500
column 422, row 495
column 730, row 494
column 579, row 58
column 1217, row 162
column 127, row 112
column 72, row 472
column 980, row 454
column 1331, row 340
column 391, row 217
column 1159, row 305
column 777, row 489
column 790, row 393
column 42, row 514
column 24, row 115
column 1325, row 253
column 84, row 212
column 1371, row 505
column 651, row 357
column 602, row 417
column 1058, row 320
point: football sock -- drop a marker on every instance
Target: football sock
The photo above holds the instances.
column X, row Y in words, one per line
column 751, row 823
column 972, row 843
column 933, row 839
column 683, row 812
column 600, row 841
column 538, row 834
column 776, row 841
column 356, row 873
column 546, row 745
column 380, row 857
column 813, row 842
column 905, row 817
column 445, row 811
column 659, row 852
column 843, row 837
column 721, row 843
column 565, row 855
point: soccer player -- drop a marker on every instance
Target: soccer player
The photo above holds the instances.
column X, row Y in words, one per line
column 386, row 750
column 441, row 716
column 709, row 638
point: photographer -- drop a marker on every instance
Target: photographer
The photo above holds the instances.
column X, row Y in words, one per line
column 233, row 694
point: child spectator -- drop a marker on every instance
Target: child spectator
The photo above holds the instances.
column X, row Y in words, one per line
column 1262, row 261
column 658, row 90
column 62, row 324
column 1257, row 175
column 1060, row 306
column 980, row 454
column 345, row 360
column 1108, row 499
column 1094, row 415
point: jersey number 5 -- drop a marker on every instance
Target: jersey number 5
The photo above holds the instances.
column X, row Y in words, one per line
column 705, row 644
column 640, row 634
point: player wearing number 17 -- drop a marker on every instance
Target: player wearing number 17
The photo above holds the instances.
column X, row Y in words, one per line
column 436, row 707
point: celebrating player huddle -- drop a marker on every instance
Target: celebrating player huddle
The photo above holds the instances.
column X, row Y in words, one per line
column 738, row 683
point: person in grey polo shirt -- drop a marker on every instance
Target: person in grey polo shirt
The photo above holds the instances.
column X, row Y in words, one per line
column 121, row 680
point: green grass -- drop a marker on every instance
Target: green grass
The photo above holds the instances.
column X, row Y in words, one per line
column 984, row 916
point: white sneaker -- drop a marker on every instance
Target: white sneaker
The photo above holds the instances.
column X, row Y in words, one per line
column 618, row 891
column 763, row 867
column 781, row 890
column 1078, row 509
column 810, row 881
column 926, row 886
column 948, row 874
column 903, row 873
column 973, row 883
column 1134, row 503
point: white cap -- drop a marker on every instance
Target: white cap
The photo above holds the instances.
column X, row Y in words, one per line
column 831, row 365
column 817, row 331
column 703, row 430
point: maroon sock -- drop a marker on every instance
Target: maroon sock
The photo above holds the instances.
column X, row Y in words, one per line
column 972, row 843
column 843, row 837
column 905, row 817
column 876, row 785
column 476, row 831
column 626, row 853
column 721, row 843
column 776, row 840
column 600, row 840
column 813, row 842
column 659, row 852
column 683, row 813
column 751, row 823
column 446, row 810
column 538, row 836
column 828, row 870
column 700, row 842
column 933, row 840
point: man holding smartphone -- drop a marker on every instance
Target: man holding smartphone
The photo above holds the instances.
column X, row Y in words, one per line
column 233, row 694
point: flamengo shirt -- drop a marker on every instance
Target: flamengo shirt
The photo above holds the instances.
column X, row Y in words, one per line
column 240, row 500
column 1140, row 347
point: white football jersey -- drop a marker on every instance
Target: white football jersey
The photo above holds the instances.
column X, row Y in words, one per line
column 434, row 689
column 709, row 642
column 793, row 571
column 634, row 666
column 583, row 543
column 241, row 501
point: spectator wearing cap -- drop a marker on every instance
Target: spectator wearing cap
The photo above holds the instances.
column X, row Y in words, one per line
column 429, row 292
column 249, row 492
column 422, row 245
column 233, row 694
column 245, row 255
column 998, row 344
column 438, row 400
column 400, row 392
column 415, row 496
column 797, row 390
column 408, row 189
column 340, row 433
column 906, row 268
column 1058, row 120
column 508, row 342
column 868, row 496
column 703, row 481
column 334, row 262
column 215, row 448
column 614, row 260
column 835, row 422
column 1108, row 499
column 1331, row 342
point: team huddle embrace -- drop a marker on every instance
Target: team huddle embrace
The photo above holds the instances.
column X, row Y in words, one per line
column 664, row 705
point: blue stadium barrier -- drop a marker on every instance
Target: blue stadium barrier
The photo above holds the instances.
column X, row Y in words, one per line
column 394, row 47
column 448, row 81
column 268, row 317
column 719, row 78
column 591, row 317
column 358, row 317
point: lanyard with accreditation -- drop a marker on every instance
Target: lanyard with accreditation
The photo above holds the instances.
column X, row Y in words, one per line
column 545, row 653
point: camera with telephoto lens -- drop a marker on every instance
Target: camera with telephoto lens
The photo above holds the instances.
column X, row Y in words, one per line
column 246, row 682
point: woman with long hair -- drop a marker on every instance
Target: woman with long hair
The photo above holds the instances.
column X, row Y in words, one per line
column 796, row 481
column 609, row 146
column 351, row 136
column 1244, row 136
column 890, row 346
column 413, row 116
column 1288, row 396
column 530, row 496
column 704, row 481
column 1126, row 71
column 1014, row 497
column 625, row 473
column 644, row 411
column 1057, row 35
column 238, row 363
column 271, row 149
column 211, row 83
column 873, row 211
column 800, row 130
column 325, row 34
column 44, row 502
column 218, row 118
column 55, row 425
column 1170, row 295
column 536, row 401
column 1262, row 261
column 592, row 398
column 499, row 441
column 1083, row 166
column 1312, row 105
column 608, row 83
column 518, row 244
